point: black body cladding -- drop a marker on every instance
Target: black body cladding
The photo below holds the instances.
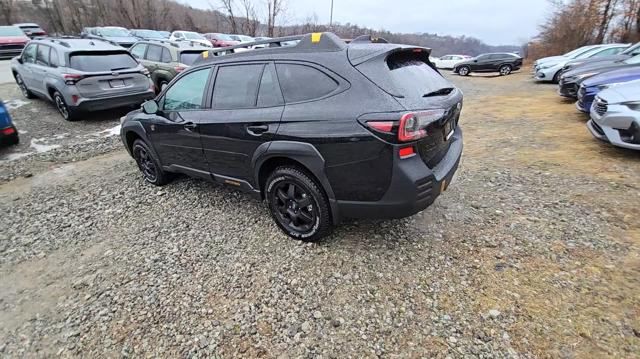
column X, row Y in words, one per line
column 308, row 106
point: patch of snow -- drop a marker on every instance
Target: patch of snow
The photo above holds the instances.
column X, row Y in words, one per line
column 111, row 131
column 17, row 155
column 15, row 104
column 40, row 145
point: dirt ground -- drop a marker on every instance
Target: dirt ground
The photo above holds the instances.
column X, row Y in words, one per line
column 534, row 251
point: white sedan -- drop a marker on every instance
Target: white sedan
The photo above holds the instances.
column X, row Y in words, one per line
column 449, row 61
column 615, row 115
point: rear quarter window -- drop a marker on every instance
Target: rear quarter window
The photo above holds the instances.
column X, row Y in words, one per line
column 413, row 77
column 303, row 83
column 102, row 61
column 189, row 57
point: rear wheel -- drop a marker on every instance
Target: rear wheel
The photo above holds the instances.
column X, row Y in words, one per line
column 23, row 87
column 64, row 110
column 464, row 71
column 505, row 70
column 297, row 204
column 148, row 164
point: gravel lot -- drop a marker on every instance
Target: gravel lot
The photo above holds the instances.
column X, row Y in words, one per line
column 532, row 252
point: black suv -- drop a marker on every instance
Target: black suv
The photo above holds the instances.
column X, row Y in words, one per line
column 321, row 130
column 502, row 63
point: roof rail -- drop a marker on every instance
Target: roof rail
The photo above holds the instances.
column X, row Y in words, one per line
column 163, row 41
column 369, row 39
column 317, row 41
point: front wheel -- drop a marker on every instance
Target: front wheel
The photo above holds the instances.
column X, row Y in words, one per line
column 297, row 204
column 464, row 71
column 505, row 70
column 148, row 164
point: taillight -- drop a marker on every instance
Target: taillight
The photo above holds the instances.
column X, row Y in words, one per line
column 8, row 131
column 413, row 126
column 71, row 79
column 382, row 126
column 406, row 152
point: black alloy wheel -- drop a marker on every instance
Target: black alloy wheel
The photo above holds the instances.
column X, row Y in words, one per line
column 297, row 204
column 148, row 165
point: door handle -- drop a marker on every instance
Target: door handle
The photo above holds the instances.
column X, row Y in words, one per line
column 190, row 126
column 257, row 130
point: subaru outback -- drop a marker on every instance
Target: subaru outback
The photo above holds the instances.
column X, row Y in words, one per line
column 166, row 59
column 322, row 130
column 80, row 75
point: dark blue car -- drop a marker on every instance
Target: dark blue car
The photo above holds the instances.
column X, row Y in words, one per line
column 591, row 86
column 8, row 132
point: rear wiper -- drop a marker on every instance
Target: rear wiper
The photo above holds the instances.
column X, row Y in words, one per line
column 441, row 92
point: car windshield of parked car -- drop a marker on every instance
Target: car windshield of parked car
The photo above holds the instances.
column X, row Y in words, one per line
column 10, row 31
column 32, row 28
column 113, row 32
column 586, row 53
column 632, row 61
column 633, row 50
column 150, row 34
column 244, row 38
column 102, row 61
column 193, row 36
column 223, row 37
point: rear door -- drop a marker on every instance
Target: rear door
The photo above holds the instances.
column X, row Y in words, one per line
column 247, row 106
column 107, row 74
column 174, row 130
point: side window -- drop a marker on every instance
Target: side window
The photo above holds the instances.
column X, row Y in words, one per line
column 139, row 50
column 295, row 81
column 607, row 52
column 483, row 57
column 269, row 92
column 53, row 58
column 187, row 93
column 42, row 56
column 236, row 86
column 29, row 54
column 166, row 55
column 154, row 53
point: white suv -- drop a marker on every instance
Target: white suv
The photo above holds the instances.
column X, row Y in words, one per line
column 190, row 36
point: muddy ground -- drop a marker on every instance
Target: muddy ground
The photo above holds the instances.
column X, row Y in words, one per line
column 532, row 252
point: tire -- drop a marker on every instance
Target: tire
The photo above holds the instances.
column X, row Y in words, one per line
column 298, row 204
column 148, row 164
column 464, row 71
column 162, row 86
column 556, row 77
column 23, row 87
column 505, row 70
column 67, row 113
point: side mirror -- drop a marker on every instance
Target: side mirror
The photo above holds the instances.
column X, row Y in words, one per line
column 475, row 60
column 19, row 60
column 150, row 107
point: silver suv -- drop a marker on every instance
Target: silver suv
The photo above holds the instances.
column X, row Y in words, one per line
column 80, row 75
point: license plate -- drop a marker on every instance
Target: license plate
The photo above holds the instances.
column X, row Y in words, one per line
column 116, row 83
column 448, row 130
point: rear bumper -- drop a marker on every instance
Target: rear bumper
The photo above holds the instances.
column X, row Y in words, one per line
column 414, row 186
column 114, row 102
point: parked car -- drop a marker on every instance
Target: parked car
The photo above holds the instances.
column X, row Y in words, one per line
column 593, row 85
column 220, row 40
column 190, row 36
column 631, row 51
column 80, row 75
column 552, row 70
column 503, row 63
column 375, row 136
column 144, row 34
column 165, row 34
column 113, row 34
column 570, row 81
column 31, row 30
column 166, row 59
column 450, row 61
column 615, row 116
column 261, row 38
column 12, row 41
column 569, row 55
column 8, row 131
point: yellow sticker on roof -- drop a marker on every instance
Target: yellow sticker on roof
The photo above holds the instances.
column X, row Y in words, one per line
column 205, row 54
column 315, row 37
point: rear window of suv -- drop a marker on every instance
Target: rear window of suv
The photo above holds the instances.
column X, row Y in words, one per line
column 102, row 61
column 412, row 77
column 189, row 57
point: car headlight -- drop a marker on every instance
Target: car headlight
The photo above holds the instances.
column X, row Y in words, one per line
column 545, row 66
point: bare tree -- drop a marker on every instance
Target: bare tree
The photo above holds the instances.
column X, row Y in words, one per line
column 275, row 8
column 251, row 23
column 228, row 8
column 7, row 10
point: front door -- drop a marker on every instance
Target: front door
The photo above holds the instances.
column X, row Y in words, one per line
column 247, row 106
column 175, row 130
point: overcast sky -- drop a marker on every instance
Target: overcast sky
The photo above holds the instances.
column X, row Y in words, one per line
column 496, row 22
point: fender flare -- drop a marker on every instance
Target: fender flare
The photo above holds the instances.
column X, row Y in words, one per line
column 137, row 128
column 302, row 152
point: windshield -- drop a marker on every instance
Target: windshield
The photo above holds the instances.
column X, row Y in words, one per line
column 193, row 36
column 588, row 53
column 245, row 38
column 632, row 61
column 149, row 34
column 113, row 32
column 10, row 31
column 633, row 50
column 101, row 61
